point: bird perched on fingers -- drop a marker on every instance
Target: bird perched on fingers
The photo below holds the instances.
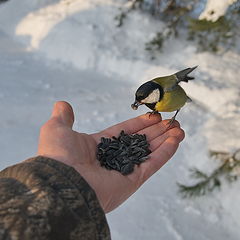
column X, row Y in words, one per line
column 163, row 94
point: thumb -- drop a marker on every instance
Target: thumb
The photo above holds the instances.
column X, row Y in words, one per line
column 63, row 112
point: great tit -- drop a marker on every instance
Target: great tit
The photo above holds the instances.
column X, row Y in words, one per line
column 163, row 94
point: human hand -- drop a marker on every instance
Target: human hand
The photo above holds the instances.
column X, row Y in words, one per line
column 58, row 141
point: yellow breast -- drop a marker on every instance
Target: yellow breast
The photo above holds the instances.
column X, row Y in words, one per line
column 172, row 100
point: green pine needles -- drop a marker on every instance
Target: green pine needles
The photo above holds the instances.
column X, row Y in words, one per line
column 212, row 36
column 229, row 169
column 181, row 19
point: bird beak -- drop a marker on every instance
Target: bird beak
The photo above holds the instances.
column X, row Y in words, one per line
column 135, row 105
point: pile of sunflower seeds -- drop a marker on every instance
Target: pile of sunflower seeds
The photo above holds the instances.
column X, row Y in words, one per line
column 123, row 152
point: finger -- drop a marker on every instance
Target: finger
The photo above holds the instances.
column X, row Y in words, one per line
column 158, row 129
column 174, row 132
column 130, row 126
column 159, row 157
column 63, row 112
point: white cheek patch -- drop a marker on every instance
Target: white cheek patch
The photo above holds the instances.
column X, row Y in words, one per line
column 153, row 97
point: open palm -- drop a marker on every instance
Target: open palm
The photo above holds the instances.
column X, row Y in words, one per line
column 58, row 141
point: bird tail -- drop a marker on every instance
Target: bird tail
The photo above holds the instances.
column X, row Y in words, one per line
column 183, row 75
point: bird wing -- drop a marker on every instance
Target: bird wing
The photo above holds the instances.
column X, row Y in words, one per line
column 168, row 83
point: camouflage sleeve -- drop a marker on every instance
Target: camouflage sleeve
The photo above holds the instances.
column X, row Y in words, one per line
column 43, row 199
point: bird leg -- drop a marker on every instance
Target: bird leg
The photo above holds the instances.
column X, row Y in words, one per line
column 152, row 113
column 172, row 119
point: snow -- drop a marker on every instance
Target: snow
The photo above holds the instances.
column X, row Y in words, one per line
column 215, row 9
column 73, row 51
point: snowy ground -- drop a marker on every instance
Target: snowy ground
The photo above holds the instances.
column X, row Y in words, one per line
column 71, row 50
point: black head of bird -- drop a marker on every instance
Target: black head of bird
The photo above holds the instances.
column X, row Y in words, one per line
column 148, row 93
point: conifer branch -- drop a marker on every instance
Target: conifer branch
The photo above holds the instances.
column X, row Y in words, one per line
column 208, row 183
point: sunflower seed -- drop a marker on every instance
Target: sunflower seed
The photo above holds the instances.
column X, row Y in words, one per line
column 114, row 146
column 143, row 159
column 127, row 169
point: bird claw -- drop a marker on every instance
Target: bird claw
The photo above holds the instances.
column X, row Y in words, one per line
column 152, row 113
column 170, row 122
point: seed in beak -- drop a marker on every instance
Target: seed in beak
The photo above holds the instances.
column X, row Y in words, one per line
column 135, row 105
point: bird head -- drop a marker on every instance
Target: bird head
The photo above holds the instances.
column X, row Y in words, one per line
column 148, row 93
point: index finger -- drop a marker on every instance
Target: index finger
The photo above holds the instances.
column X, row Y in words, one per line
column 130, row 126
